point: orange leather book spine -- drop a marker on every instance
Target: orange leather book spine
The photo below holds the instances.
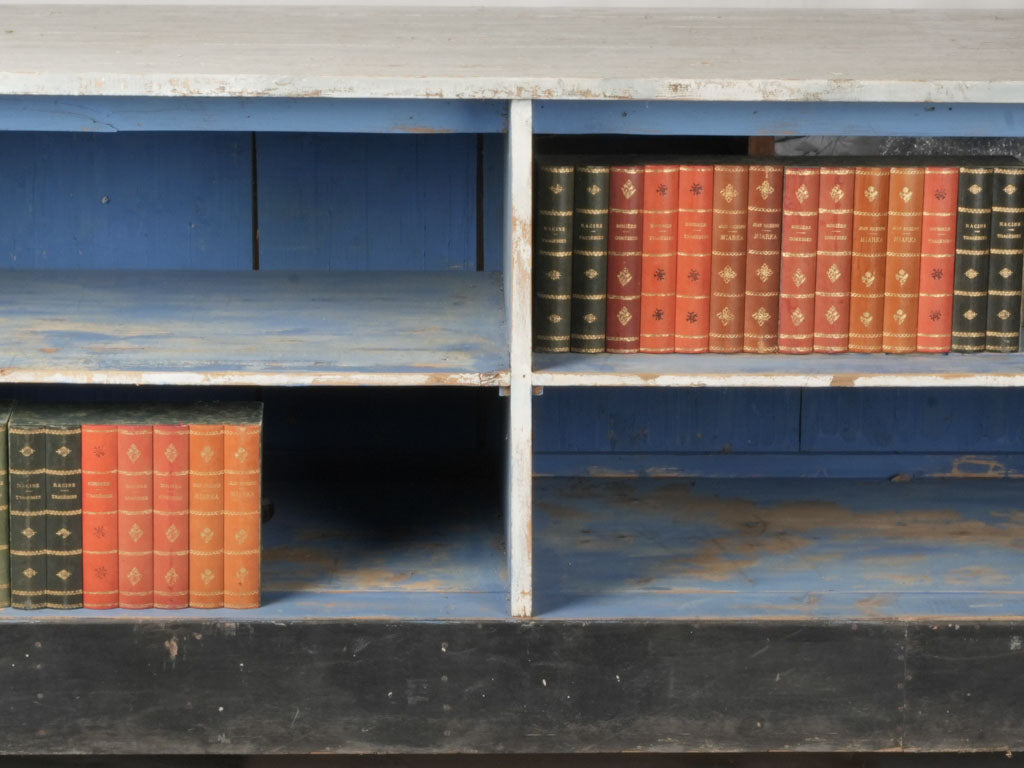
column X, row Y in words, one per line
column 99, row 516
column 728, row 257
column 693, row 257
column 658, row 282
column 903, row 260
column 170, row 515
column 867, row 281
column 938, row 260
column 799, row 257
column 206, row 515
column 135, row 515
column 242, row 516
column 764, row 250
column 835, row 259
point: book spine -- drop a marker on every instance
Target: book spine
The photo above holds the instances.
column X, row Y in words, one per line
column 5, row 523
column 658, row 280
column 26, row 457
column 99, row 516
column 135, row 516
column 206, row 516
column 728, row 254
column 764, row 251
column 693, row 257
column 970, row 283
column 1002, row 332
column 799, row 256
column 64, row 517
column 938, row 254
column 242, row 486
column 625, row 243
column 170, row 516
column 552, row 258
column 867, row 283
column 835, row 259
column 903, row 260
column 589, row 259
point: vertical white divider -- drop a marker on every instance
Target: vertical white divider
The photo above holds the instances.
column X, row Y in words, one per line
column 518, row 298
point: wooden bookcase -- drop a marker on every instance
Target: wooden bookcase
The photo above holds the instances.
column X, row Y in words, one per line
column 699, row 553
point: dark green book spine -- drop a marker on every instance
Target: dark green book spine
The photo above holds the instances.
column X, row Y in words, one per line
column 64, row 517
column 1006, row 258
column 552, row 258
column 589, row 259
column 970, row 284
column 5, row 522
column 26, row 455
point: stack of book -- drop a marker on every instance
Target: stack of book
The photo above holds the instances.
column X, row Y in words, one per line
column 761, row 257
column 134, row 506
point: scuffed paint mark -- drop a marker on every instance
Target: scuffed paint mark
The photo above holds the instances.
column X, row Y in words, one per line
column 172, row 648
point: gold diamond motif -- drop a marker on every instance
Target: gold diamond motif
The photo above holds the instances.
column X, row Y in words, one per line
column 764, row 272
column 762, row 316
column 1003, row 315
column 1009, row 189
column 624, row 276
column 136, row 532
column 802, row 193
column 241, row 536
column 28, row 573
column 765, row 189
column 593, row 189
column 63, row 451
column 555, row 318
column 868, row 278
column 171, row 577
column 906, row 194
column 590, row 317
column 832, row 315
column 63, row 574
column 28, row 533
column 206, row 535
column 729, row 193
column 727, row 275
column 628, row 189
column 207, row 453
column 970, row 274
column 866, row 319
column 834, row 273
column 133, row 453
column 799, row 278
column 624, row 316
column 591, row 273
column 1005, row 273
column 726, row 316
column 64, row 533
column 134, row 577
column 172, row 533
column 171, row 452
column 899, row 316
column 27, row 451
column 871, row 194
column 207, row 576
column 970, row 314
column 797, row 316
column 556, row 189
column 241, row 574
column 554, row 274
column 974, row 189
column 902, row 276
column 836, row 193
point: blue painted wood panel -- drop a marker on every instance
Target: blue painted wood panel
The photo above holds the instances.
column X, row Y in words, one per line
column 493, row 149
column 125, row 201
column 357, row 202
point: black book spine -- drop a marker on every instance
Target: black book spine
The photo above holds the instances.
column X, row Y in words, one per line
column 589, row 259
column 64, row 517
column 5, row 522
column 970, row 284
column 26, row 456
column 1006, row 259
column 552, row 258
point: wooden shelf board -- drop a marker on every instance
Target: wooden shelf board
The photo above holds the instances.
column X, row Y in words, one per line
column 849, row 370
column 513, row 53
column 786, row 549
column 408, row 551
column 254, row 328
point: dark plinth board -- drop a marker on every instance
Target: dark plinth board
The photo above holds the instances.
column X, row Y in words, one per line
column 356, row 687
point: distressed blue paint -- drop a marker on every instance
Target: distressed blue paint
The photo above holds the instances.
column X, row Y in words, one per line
column 133, row 201
column 357, row 202
column 816, row 118
column 494, row 150
column 107, row 114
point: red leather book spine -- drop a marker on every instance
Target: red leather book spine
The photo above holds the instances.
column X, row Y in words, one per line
column 938, row 260
column 903, row 260
column 835, row 259
column 764, row 246
column 99, row 516
column 799, row 256
column 693, row 257
column 135, row 516
column 658, row 283
column 170, row 516
column 241, row 516
column 728, row 257
column 625, row 244
column 867, row 284
column 206, row 516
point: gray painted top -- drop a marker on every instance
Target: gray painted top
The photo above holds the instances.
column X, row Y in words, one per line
column 501, row 53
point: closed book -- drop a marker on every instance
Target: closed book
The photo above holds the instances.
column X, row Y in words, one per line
column 799, row 255
column 728, row 258
column 658, row 260
column 552, row 257
column 835, row 259
column 242, row 495
column 764, row 251
column 589, row 259
column 625, row 243
column 27, row 467
column 64, row 515
column 693, row 257
column 903, row 260
column 99, row 516
column 170, row 515
column 973, row 240
column 1002, row 331
column 206, row 515
column 135, row 515
column 938, row 255
column 5, row 516
column 867, row 283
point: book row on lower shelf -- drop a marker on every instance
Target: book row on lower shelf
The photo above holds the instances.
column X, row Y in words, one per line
column 130, row 506
column 758, row 256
